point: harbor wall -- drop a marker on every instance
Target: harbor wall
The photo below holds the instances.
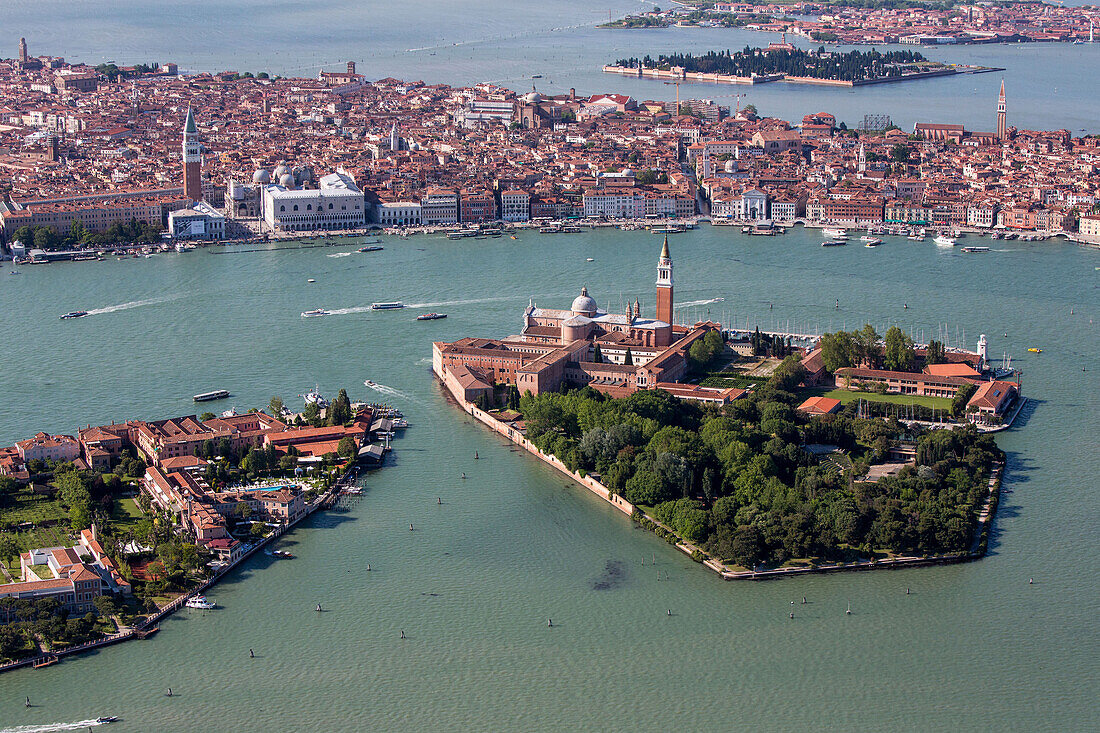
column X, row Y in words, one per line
column 677, row 74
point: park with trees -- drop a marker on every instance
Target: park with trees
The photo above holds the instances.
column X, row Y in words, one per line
column 739, row 483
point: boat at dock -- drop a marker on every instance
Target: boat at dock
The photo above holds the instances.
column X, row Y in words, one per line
column 431, row 316
column 315, row 313
column 218, row 394
column 73, row 314
column 387, row 306
column 280, row 554
column 200, row 602
column 975, row 249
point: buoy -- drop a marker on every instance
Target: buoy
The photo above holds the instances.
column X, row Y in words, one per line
column 439, row 500
column 549, row 623
column 849, row 611
column 475, row 455
column 463, row 475
column 905, row 306
column 792, row 614
column 251, row 654
column 402, row 634
column 28, row 701
column 368, row 567
column 1030, row 581
column 169, row 694
column 670, row 612
column 803, row 600
column 318, row 607
column 792, row 603
column 410, row 527
column 906, row 591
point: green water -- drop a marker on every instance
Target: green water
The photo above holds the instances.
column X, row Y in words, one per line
column 973, row 647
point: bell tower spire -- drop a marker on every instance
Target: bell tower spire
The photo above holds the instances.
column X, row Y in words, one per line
column 664, row 285
column 1002, row 121
column 192, row 159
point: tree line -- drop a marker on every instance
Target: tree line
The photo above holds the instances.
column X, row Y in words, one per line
column 78, row 236
column 819, row 64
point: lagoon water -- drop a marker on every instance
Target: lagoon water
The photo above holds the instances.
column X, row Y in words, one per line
column 1049, row 85
column 974, row 647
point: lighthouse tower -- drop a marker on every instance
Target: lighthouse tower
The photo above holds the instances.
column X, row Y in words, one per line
column 1002, row 122
column 192, row 159
column 664, row 285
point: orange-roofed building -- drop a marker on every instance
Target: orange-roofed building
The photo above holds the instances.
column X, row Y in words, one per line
column 819, row 406
column 959, row 369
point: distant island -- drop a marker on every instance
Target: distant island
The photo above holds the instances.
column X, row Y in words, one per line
column 784, row 62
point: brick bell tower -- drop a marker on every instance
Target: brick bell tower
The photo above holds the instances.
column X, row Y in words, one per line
column 192, row 159
column 664, row 285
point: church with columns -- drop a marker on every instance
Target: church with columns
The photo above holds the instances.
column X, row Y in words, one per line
column 615, row 353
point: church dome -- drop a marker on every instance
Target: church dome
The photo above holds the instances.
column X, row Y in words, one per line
column 286, row 180
column 584, row 304
column 280, row 171
column 261, row 176
column 532, row 98
column 303, row 175
column 731, row 166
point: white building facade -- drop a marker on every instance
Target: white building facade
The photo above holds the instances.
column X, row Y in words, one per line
column 336, row 204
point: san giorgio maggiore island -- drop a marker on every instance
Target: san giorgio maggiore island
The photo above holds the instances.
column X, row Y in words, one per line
column 162, row 510
column 786, row 475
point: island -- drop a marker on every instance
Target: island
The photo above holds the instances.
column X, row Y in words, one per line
column 784, row 62
column 105, row 533
column 814, row 459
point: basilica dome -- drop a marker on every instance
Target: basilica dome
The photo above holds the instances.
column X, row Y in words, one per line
column 584, row 304
column 261, row 176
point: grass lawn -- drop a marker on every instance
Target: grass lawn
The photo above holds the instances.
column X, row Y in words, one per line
column 126, row 514
column 845, row 396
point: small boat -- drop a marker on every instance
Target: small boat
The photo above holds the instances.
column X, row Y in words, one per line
column 431, row 316
column 282, row 555
column 218, row 394
column 590, row 259
column 369, row 248
column 106, row 719
column 944, row 241
column 975, row 249
column 834, row 233
column 311, row 280
column 1035, row 351
column 16, row 272
column 915, row 238
column 834, row 243
column 871, row 242
column 315, row 313
column 200, row 603
column 73, row 314
column 869, row 238
column 387, row 306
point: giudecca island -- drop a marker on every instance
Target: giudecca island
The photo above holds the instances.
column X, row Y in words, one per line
column 752, row 454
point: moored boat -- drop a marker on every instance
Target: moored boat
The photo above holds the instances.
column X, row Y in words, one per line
column 200, row 602
column 217, row 394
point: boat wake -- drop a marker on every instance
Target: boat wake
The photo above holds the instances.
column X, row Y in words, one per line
column 366, row 308
column 456, row 302
column 394, row 392
column 340, row 254
column 699, row 302
column 78, row 725
column 130, row 304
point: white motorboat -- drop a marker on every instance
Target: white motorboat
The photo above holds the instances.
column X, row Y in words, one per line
column 834, row 233
column 315, row 313
column 200, row 602
column 944, row 241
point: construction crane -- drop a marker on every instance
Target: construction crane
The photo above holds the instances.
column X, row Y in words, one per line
column 677, row 85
